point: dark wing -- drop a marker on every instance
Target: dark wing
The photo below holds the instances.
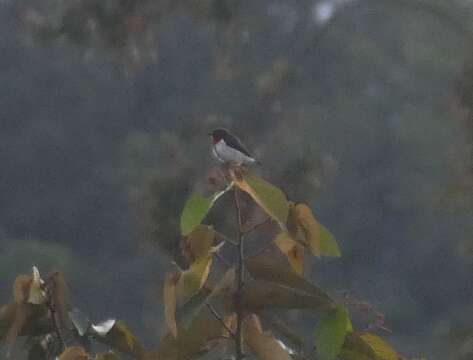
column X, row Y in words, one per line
column 235, row 143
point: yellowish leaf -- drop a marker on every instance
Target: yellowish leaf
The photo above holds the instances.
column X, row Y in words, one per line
column 264, row 346
column 169, row 299
column 293, row 250
column 120, row 338
column 192, row 279
column 304, row 228
column 369, row 345
column 271, row 199
column 309, row 227
column 198, row 243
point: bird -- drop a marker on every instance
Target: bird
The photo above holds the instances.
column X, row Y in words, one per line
column 228, row 149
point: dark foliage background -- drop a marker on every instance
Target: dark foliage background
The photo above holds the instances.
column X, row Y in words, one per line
column 362, row 108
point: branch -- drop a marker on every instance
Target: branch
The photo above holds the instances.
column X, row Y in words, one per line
column 50, row 288
column 219, row 318
column 225, row 238
column 240, row 280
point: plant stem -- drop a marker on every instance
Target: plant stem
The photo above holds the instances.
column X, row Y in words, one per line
column 219, row 318
column 240, row 280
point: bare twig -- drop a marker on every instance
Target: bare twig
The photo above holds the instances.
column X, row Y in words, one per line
column 240, row 280
column 256, row 226
column 50, row 288
column 225, row 238
column 219, row 318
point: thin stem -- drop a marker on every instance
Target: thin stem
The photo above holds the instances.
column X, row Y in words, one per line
column 240, row 280
column 219, row 318
column 225, row 238
column 50, row 288
column 256, row 226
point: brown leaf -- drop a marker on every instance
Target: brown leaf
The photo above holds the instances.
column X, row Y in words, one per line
column 264, row 346
column 259, row 294
column 308, row 226
column 74, row 353
column 7, row 316
column 269, row 269
column 23, row 311
column 204, row 332
column 169, row 299
column 293, row 250
column 21, row 288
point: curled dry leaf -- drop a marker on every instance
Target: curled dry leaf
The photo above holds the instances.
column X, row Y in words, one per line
column 304, row 228
column 293, row 251
column 169, row 299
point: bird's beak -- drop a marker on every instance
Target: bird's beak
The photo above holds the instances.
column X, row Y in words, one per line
column 209, row 134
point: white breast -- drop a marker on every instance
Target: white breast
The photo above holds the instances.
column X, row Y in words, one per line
column 225, row 153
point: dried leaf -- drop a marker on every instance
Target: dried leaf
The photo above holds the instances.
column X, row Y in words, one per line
column 264, row 346
column 303, row 227
column 269, row 269
column 203, row 332
column 21, row 288
column 271, row 199
column 293, row 250
column 169, row 299
column 74, row 353
column 258, row 295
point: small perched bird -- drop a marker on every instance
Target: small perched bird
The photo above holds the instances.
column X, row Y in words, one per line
column 227, row 148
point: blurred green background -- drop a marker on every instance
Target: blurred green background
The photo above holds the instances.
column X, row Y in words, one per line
column 363, row 109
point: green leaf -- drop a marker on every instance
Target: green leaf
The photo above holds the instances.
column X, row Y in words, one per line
column 328, row 244
column 271, row 199
column 195, row 210
column 330, row 334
